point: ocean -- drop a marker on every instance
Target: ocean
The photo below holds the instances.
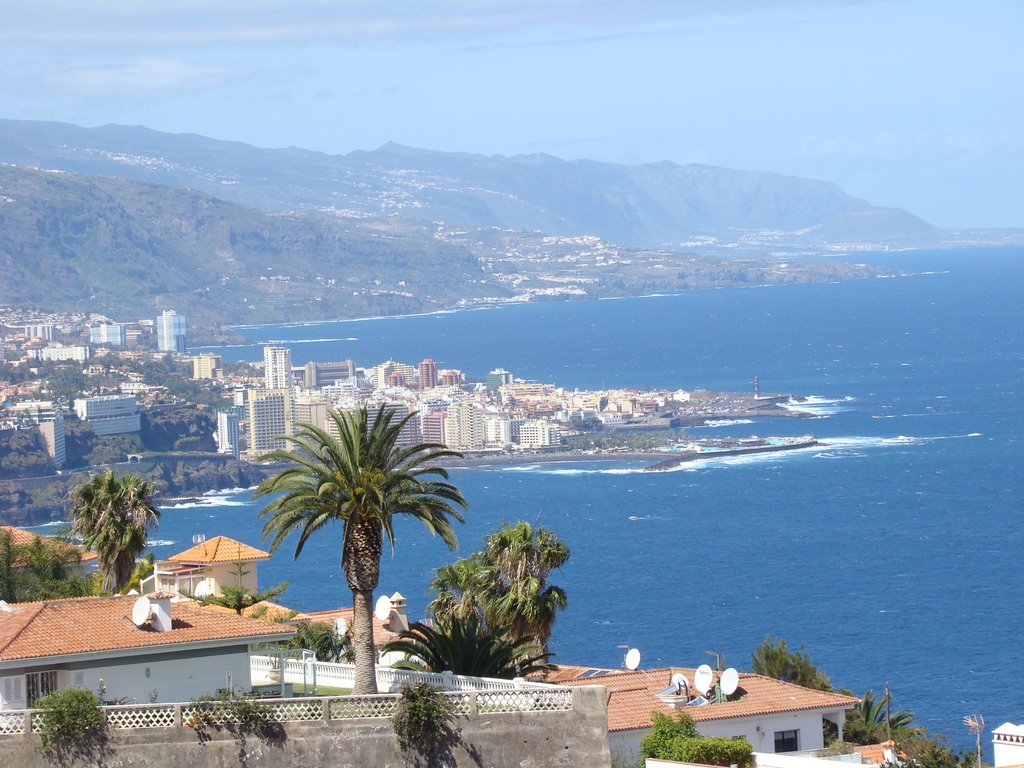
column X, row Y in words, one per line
column 891, row 554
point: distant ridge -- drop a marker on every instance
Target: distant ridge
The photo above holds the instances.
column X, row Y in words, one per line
column 651, row 205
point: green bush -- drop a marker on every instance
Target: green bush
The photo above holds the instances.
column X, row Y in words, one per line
column 72, row 725
column 423, row 717
column 676, row 738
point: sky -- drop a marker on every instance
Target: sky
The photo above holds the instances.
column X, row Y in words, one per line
column 917, row 104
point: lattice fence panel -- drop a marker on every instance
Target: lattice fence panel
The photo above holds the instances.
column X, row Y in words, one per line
column 524, row 701
column 37, row 721
column 292, row 711
column 363, row 706
column 156, row 716
column 460, row 702
column 13, row 722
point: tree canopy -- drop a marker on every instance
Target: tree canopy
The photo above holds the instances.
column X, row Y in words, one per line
column 773, row 658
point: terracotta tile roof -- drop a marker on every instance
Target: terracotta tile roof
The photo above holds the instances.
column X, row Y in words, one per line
column 632, row 696
column 219, row 549
column 266, row 611
column 382, row 632
column 91, row 624
column 19, row 537
column 874, row 753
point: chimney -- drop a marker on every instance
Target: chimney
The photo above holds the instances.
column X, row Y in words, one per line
column 161, row 606
column 399, row 621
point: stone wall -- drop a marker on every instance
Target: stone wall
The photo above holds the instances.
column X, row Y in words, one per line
column 521, row 740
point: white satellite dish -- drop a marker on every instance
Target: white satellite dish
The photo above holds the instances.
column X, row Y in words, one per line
column 679, row 680
column 204, row 589
column 632, row 658
column 340, row 626
column 382, row 608
column 703, row 678
column 730, row 681
column 141, row 611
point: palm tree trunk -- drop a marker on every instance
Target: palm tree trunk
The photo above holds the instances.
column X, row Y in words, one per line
column 362, row 641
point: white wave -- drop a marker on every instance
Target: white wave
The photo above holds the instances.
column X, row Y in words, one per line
column 159, row 542
column 285, row 342
column 205, row 503
column 818, row 406
column 722, row 423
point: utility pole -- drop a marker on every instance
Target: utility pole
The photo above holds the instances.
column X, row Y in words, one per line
column 888, row 713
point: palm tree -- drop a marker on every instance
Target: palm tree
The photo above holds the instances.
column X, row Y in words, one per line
column 464, row 647
column 323, row 640
column 523, row 557
column 463, row 589
column 113, row 516
column 871, row 720
column 363, row 478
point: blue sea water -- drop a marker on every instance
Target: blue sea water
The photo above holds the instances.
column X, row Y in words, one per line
column 892, row 554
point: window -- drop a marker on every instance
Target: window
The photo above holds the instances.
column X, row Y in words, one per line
column 787, row 741
column 38, row 685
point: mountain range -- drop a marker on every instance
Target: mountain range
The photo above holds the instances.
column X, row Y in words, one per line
column 130, row 219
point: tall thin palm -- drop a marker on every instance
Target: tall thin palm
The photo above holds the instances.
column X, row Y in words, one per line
column 113, row 516
column 362, row 478
column 524, row 557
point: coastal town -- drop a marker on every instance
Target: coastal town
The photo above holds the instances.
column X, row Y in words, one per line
column 83, row 390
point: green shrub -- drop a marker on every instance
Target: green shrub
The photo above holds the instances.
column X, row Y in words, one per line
column 676, row 738
column 72, row 726
column 423, row 718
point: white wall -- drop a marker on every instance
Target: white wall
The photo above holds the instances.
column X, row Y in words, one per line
column 1008, row 745
column 626, row 744
column 174, row 676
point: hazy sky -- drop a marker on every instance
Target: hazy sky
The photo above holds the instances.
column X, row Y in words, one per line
column 917, row 104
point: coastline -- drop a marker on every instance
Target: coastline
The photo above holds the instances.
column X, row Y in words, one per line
column 565, row 457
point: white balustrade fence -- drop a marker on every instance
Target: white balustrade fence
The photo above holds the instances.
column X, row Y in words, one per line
column 306, row 709
column 340, row 675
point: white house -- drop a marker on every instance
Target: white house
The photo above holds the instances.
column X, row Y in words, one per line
column 772, row 715
column 167, row 652
column 206, row 567
column 1008, row 745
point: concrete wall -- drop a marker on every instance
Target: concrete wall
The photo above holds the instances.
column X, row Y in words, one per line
column 517, row 740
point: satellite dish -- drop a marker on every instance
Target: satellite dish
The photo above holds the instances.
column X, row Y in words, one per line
column 340, row 626
column 204, row 589
column 730, row 681
column 703, row 678
column 679, row 680
column 632, row 658
column 382, row 608
column 141, row 611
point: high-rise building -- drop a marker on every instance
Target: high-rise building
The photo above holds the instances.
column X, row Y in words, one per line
column 271, row 416
column 539, row 434
column 432, row 426
column 48, row 416
column 464, row 428
column 449, row 377
column 409, row 434
column 207, row 365
column 277, row 368
column 428, row 374
column 171, row 335
column 227, row 433
column 42, row 331
column 319, row 374
column 107, row 333
column 312, row 410
column 497, row 379
column 109, row 414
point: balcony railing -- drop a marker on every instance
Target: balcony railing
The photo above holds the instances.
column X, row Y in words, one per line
column 341, row 675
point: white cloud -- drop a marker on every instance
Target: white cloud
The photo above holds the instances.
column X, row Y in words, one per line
column 134, row 76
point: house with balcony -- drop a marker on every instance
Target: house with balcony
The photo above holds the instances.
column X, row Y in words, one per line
column 206, row 567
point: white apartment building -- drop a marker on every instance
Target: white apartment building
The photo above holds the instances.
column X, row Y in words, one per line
column 465, row 427
column 107, row 333
column 277, row 368
column 171, row 332
column 207, row 365
column 227, row 433
column 539, row 434
column 77, row 354
column 271, row 416
column 109, row 414
column 498, row 431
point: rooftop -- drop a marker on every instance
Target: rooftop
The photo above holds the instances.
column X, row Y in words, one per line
column 94, row 624
column 219, row 549
column 382, row 632
column 632, row 696
column 20, row 537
